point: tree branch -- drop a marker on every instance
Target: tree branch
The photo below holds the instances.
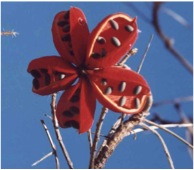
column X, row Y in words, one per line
column 112, row 141
column 57, row 132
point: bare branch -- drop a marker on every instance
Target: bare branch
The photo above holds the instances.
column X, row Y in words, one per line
column 96, row 136
column 163, row 143
column 167, row 41
column 169, row 131
column 57, row 132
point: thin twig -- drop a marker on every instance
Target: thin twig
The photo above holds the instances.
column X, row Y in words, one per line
column 167, row 41
column 169, row 131
column 96, row 136
column 162, row 142
column 48, row 116
column 185, row 125
column 43, row 158
column 173, row 101
column 57, row 132
column 144, row 55
column 52, row 144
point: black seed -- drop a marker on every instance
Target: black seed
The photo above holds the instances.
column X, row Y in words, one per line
column 103, row 52
column 122, row 101
column 74, row 109
column 66, row 28
column 67, row 124
column 47, row 79
column 104, row 82
column 122, row 86
column 137, row 90
column 43, row 70
column 66, row 37
column 35, row 84
column 101, row 40
column 108, row 90
column 72, row 123
column 35, row 73
column 129, row 28
column 68, row 113
column 75, row 124
column 66, row 16
column 96, row 55
column 62, row 23
column 148, row 104
column 137, row 103
column 116, row 41
column 114, row 24
column 74, row 98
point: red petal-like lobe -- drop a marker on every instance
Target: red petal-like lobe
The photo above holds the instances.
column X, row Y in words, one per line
column 110, row 40
column 76, row 107
column 121, row 90
column 70, row 35
column 51, row 74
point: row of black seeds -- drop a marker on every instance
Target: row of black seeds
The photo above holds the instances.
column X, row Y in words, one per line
column 36, row 74
column 66, row 29
column 72, row 123
column 73, row 110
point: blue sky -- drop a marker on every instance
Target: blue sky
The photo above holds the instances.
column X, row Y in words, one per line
column 23, row 138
